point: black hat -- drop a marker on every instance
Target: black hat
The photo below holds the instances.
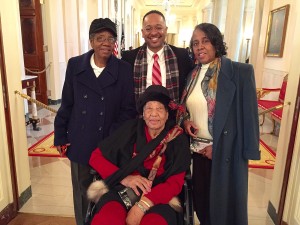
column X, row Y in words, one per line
column 103, row 24
column 153, row 93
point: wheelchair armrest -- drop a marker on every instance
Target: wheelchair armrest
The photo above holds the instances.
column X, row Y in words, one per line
column 187, row 198
column 188, row 175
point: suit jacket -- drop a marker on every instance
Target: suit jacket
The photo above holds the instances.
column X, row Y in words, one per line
column 92, row 107
column 185, row 64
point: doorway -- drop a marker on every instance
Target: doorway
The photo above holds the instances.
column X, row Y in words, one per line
column 33, row 42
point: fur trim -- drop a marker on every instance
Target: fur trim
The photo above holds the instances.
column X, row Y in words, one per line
column 175, row 204
column 96, row 190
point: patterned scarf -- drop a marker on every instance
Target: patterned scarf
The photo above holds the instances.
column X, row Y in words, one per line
column 172, row 72
column 209, row 88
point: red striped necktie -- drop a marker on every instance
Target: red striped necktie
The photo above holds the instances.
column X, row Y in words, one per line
column 156, row 75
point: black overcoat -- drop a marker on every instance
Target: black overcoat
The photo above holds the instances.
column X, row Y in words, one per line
column 92, row 107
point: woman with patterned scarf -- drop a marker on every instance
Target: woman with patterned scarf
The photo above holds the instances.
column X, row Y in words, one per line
column 143, row 166
column 222, row 120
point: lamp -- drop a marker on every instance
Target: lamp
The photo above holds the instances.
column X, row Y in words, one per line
column 247, row 48
column 247, row 35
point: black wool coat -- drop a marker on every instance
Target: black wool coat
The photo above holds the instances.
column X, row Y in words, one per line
column 93, row 107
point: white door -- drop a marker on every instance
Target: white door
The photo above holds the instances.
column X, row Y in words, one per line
column 293, row 207
column 5, row 177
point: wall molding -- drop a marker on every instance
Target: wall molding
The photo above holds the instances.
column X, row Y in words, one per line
column 272, row 212
column 25, row 196
column 7, row 214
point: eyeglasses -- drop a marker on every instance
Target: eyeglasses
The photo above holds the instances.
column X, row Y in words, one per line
column 102, row 39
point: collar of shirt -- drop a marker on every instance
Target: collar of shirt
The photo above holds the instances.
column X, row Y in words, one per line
column 97, row 70
column 162, row 64
column 160, row 53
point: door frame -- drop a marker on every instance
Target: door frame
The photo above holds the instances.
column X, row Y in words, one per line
column 288, row 162
column 11, row 210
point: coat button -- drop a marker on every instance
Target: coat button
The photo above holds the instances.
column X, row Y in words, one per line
column 102, row 98
column 100, row 128
column 83, row 112
column 225, row 132
column 101, row 114
column 227, row 160
column 85, row 96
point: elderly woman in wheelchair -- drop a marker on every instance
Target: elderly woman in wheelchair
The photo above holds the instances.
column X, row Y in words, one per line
column 143, row 166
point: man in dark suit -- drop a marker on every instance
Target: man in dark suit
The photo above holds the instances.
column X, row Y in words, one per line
column 174, row 63
column 90, row 109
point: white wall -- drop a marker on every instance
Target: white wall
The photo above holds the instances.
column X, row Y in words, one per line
column 14, row 67
column 292, row 204
column 290, row 63
column 55, row 37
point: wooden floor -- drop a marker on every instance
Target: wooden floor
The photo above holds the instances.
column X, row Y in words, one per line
column 33, row 219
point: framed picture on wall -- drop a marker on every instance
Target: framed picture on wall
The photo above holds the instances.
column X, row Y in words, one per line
column 277, row 26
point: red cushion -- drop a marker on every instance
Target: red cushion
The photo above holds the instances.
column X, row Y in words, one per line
column 266, row 104
column 277, row 114
column 282, row 91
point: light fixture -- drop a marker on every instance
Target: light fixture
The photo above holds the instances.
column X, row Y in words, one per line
column 247, row 58
column 166, row 4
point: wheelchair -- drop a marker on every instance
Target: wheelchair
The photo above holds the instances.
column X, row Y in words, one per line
column 185, row 196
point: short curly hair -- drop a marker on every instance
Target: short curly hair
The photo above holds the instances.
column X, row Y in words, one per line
column 214, row 35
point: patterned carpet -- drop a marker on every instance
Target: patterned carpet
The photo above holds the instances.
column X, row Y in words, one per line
column 267, row 158
column 45, row 147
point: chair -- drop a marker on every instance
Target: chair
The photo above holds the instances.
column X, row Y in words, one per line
column 185, row 196
column 274, row 107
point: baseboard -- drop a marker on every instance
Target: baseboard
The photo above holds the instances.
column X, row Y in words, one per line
column 54, row 102
column 25, row 196
column 7, row 214
column 272, row 212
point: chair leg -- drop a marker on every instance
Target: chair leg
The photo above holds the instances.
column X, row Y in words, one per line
column 263, row 121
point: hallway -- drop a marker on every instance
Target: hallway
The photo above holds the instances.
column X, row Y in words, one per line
column 52, row 189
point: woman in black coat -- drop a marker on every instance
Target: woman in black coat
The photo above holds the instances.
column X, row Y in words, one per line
column 97, row 97
column 222, row 121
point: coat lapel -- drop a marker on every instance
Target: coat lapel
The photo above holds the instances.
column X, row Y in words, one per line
column 110, row 73
column 225, row 94
column 86, row 76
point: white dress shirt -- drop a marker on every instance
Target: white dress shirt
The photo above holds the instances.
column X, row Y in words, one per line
column 162, row 66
